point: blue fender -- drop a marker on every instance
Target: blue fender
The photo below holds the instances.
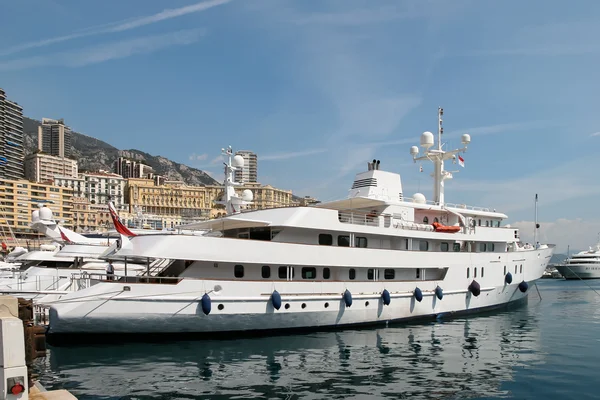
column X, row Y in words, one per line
column 508, row 278
column 474, row 288
column 523, row 286
column 348, row 298
column 206, row 304
column 439, row 292
column 418, row 294
column 276, row 299
column 387, row 299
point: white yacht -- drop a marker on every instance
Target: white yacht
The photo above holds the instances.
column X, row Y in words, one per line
column 371, row 258
column 583, row 265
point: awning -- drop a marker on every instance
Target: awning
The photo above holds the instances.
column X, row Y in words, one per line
column 352, row 203
column 225, row 223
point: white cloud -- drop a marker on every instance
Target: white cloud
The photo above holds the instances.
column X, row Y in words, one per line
column 119, row 26
column 578, row 233
column 595, row 134
column 291, row 154
column 361, row 16
column 198, row 157
column 107, row 51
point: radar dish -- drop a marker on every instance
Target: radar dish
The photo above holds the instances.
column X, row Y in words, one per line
column 247, row 195
column 419, row 198
column 238, row 161
column 426, row 139
column 35, row 216
column 46, row 214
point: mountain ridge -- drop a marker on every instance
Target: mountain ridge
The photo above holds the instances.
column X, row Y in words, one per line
column 93, row 154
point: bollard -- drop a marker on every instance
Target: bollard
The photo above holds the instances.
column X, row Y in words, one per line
column 13, row 381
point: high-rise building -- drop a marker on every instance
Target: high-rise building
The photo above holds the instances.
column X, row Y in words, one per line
column 54, row 138
column 11, row 139
column 131, row 169
column 249, row 172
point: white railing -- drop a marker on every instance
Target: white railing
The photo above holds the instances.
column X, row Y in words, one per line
column 452, row 205
column 358, row 218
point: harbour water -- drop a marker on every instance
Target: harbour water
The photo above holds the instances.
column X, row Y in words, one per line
column 546, row 349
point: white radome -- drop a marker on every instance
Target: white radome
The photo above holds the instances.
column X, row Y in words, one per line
column 238, row 161
column 46, row 214
column 247, row 195
column 35, row 216
column 426, row 139
column 414, row 150
column 419, row 198
column 466, row 139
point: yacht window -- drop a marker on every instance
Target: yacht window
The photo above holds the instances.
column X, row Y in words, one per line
column 265, row 271
column 436, row 219
column 482, row 272
column 521, row 268
column 343, row 241
column 481, row 246
column 370, row 274
column 352, row 274
column 423, row 245
column 468, row 272
column 282, row 272
column 475, row 272
column 425, row 220
column 479, row 222
column 418, row 273
column 456, row 247
column 505, row 270
column 444, row 246
column 498, row 224
column 326, row 273
column 238, row 271
column 389, row 273
column 491, row 247
column 515, row 269
column 309, row 273
column 360, row 241
column 487, row 223
column 325, row 239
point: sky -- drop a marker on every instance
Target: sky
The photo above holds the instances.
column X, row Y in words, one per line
column 318, row 88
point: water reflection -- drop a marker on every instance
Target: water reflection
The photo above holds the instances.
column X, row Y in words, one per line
column 462, row 358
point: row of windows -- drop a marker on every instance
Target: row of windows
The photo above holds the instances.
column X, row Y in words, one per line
column 474, row 272
column 326, row 239
column 311, row 272
column 521, row 269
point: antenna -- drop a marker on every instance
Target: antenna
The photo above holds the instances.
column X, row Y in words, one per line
column 437, row 156
column 536, row 226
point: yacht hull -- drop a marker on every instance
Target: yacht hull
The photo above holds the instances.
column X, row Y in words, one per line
column 245, row 306
column 579, row 271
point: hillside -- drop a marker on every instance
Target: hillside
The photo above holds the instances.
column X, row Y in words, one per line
column 93, row 154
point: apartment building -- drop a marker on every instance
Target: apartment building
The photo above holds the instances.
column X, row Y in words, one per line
column 96, row 187
column 249, row 172
column 11, row 139
column 54, row 138
column 40, row 167
column 19, row 198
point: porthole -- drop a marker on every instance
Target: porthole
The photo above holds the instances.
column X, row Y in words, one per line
column 221, row 306
column 366, row 304
column 303, row 305
column 326, row 305
column 287, row 306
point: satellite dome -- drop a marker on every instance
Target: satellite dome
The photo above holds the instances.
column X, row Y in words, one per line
column 247, row 195
column 465, row 139
column 426, row 139
column 46, row 214
column 419, row 198
column 238, row 161
column 35, row 216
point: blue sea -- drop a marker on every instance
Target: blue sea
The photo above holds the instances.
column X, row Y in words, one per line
column 548, row 349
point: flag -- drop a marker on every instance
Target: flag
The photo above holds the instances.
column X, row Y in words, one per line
column 461, row 161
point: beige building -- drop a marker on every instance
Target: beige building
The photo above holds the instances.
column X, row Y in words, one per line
column 40, row 167
column 19, row 198
column 97, row 187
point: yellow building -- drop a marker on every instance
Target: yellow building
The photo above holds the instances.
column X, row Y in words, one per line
column 176, row 199
column 19, row 198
